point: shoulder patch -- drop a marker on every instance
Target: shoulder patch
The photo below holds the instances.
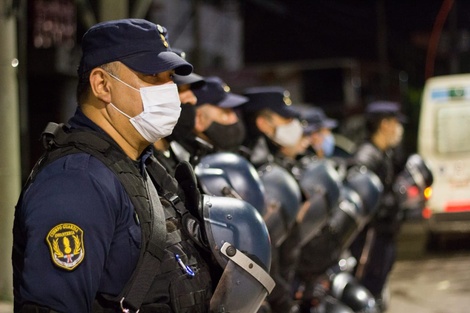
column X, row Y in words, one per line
column 66, row 245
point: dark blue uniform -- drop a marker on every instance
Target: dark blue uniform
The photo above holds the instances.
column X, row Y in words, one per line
column 75, row 233
column 385, row 224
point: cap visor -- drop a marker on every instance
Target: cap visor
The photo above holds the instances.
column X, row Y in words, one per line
column 232, row 100
column 285, row 111
column 195, row 80
column 330, row 123
column 152, row 63
column 310, row 129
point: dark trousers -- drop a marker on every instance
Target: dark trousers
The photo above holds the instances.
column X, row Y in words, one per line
column 379, row 260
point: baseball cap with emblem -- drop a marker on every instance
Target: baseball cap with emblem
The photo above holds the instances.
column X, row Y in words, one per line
column 274, row 98
column 314, row 119
column 196, row 81
column 139, row 44
column 217, row 92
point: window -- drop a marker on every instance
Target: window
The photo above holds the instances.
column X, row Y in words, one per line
column 453, row 129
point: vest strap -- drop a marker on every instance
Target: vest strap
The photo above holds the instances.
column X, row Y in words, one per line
column 60, row 141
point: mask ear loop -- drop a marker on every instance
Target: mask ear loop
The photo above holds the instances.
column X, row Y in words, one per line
column 126, row 84
column 121, row 81
column 120, row 111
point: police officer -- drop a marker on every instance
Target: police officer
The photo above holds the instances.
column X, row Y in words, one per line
column 206, row 135
column 274, row 126
column 98, row 227
column 323, row 226
column 318, row 129
column 166, row 147
column 209, row 126
column 216, row 119
column 274, row 138
column 375, row 247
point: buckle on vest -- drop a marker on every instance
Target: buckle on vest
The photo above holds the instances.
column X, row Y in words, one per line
column 174, row 199
column 49, row 134
column 123, row 309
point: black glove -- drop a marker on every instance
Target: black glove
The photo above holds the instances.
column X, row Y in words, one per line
column 193, row 229
column 186, row 178
column 192, row 223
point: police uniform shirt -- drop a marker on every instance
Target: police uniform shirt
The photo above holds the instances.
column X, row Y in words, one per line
column 75, row 233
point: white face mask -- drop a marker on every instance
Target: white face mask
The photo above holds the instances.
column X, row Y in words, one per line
column 161, row 110
column 288, row 135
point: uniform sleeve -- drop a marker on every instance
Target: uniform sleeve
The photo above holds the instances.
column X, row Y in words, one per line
column 69, row 216
column 369, row 156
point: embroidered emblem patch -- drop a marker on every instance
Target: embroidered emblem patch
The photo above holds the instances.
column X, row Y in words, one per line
column 66, row 245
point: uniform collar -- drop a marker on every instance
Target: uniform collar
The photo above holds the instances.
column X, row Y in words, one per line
column 80, row 120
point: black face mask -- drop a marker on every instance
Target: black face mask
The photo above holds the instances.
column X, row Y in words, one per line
column 226, row 137
column 186, row 120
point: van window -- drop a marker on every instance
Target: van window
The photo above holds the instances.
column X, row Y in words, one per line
column 453, row 129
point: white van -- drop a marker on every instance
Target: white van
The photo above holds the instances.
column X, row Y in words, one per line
column 444, row 143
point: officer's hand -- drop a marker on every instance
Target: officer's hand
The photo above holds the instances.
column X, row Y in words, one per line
column 186, row 178
column 193, row 228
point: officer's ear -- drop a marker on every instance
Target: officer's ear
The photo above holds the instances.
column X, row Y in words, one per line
column 263, row 125
column 99, row 83
column 201, row 121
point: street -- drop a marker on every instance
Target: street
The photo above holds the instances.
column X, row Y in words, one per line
column 430, row 282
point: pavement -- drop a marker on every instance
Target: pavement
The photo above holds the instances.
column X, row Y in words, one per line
column 435, row 281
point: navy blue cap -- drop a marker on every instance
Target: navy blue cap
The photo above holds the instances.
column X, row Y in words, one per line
column 276, row 99
column 384, row 108
column 139, row 44
column 315, row 119
column 196, row 81
column 216, row 92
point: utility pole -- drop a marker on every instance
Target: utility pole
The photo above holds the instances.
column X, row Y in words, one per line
column 10, row 169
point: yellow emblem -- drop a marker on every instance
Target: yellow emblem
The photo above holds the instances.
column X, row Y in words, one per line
column 286, row 98
column 66, row 245
column 165, row 43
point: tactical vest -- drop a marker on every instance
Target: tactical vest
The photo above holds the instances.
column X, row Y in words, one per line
column 159, row 284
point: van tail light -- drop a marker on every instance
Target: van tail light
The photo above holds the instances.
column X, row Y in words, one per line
column 427, row 193
column 426, row 213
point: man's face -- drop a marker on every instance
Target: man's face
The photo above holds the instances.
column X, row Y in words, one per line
column 285, row 131
column 186, row 95
column 127, row 99
column 219, row 126
column 206, row 114
column 317, row 140
column 267, row 123
column 317, row 137
column 393, row 131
